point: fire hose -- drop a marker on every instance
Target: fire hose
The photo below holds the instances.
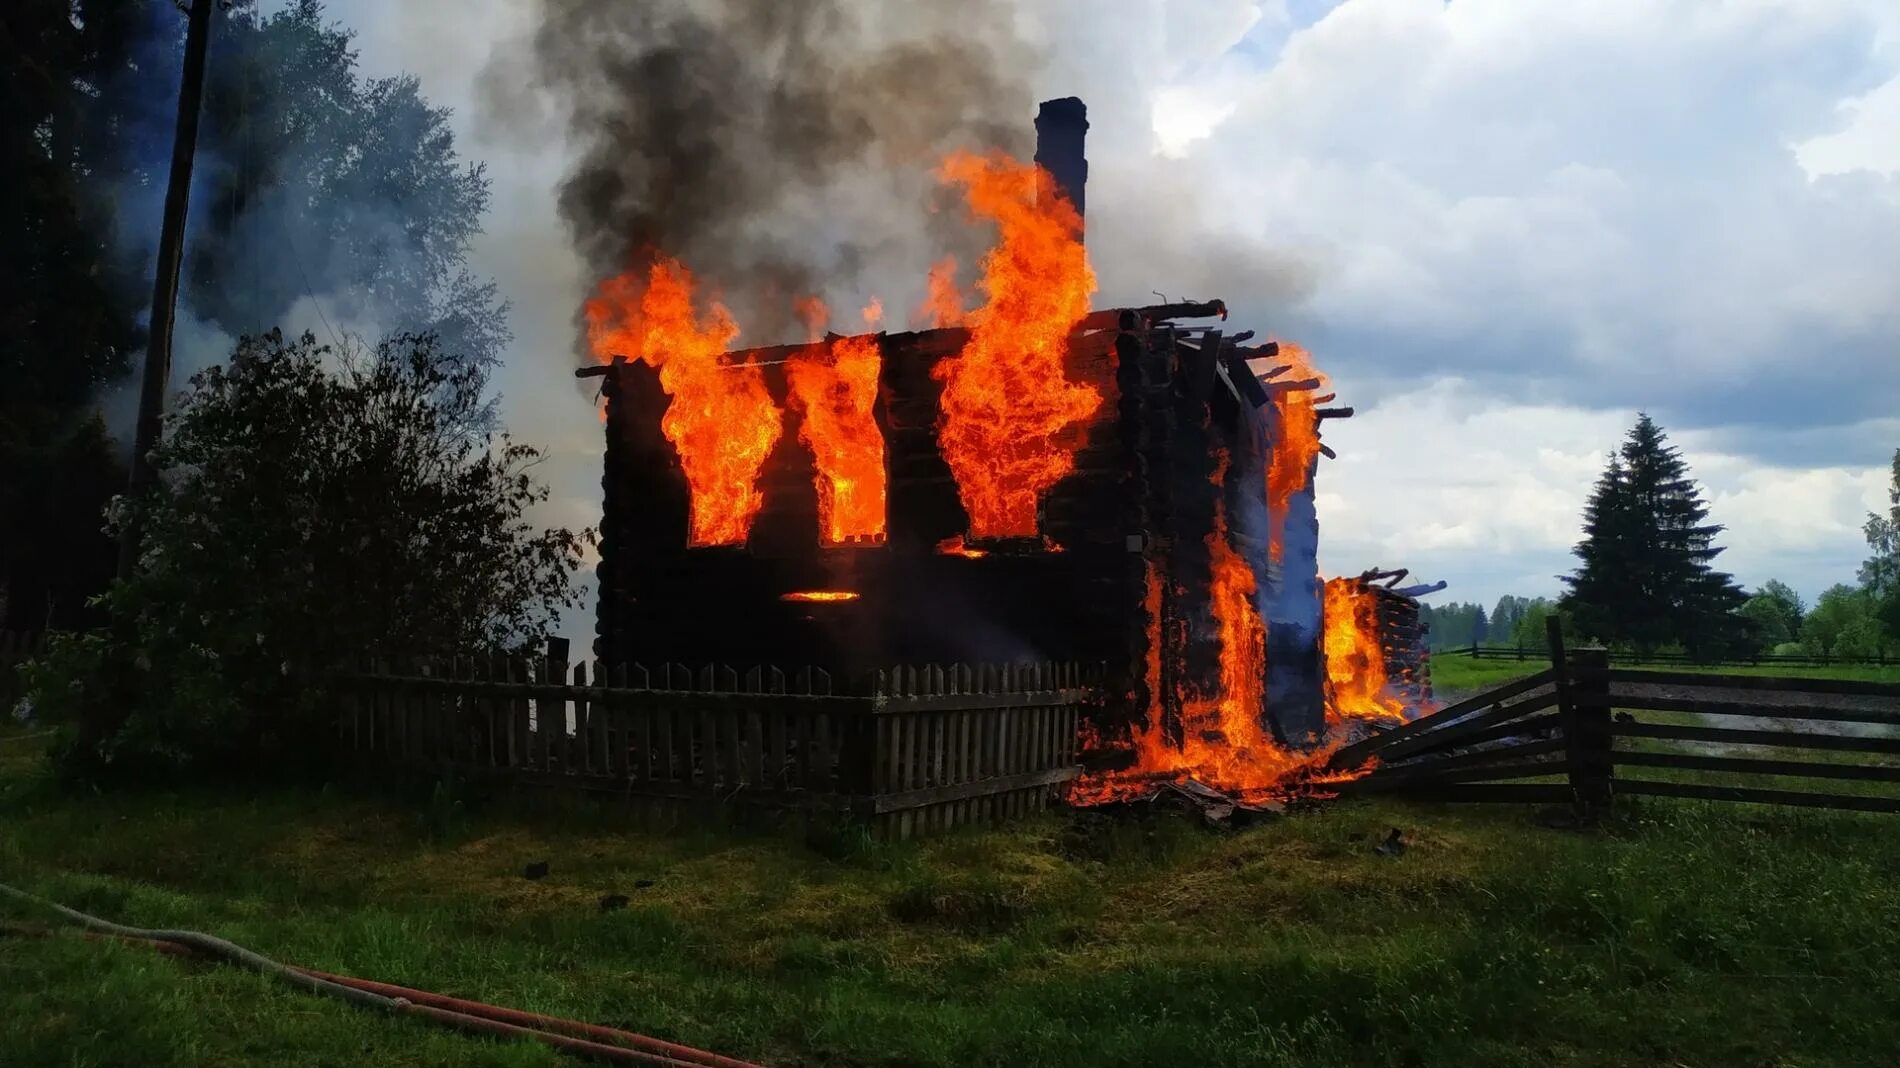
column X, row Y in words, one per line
column 569, row 1036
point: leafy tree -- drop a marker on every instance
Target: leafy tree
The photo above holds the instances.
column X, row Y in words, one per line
column 319, row 181
column 69, row 301
column 309, row 180
column 1504, row 617
column 1453, row 625
column 1646, row 578
column 1844, row 623
column 1880, row 575
column 307, row 518
column 1529, row 631
column 1775, row 612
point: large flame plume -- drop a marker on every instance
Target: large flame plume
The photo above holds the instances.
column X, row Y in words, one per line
column 1355, row 660
column 722, row 420
column 834, row 385
column 1011, row 417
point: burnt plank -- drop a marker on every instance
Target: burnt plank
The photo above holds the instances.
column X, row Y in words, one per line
column 1743, row 708
column 1401, row 782
column 1786, row 739
column 1799, row 798
column 1806, row 769
column 1516, row 793
column 1501, row 722
column 1355, row 754
column 1757, row 682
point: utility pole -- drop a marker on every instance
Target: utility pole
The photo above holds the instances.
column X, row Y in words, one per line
column 171, row 248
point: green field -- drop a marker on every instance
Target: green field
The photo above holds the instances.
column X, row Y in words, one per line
column 1458, row 675
column 1685, row 934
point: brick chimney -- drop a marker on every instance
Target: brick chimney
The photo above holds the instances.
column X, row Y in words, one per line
column 1061, row 128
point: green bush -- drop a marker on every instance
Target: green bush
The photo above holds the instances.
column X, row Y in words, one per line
column 313, row 510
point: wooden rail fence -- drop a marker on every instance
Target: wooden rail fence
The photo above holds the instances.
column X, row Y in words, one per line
column 913, row 749
column 1585, row 733
column 1541, row 652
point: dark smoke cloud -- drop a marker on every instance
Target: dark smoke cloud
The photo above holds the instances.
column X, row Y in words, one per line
column 776, row 148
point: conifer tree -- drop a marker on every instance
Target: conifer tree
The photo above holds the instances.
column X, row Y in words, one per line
column 1646, row 577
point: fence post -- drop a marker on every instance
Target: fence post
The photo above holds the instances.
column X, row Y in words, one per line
column 1583, row 702
column 550, row 717
column 1593, row 770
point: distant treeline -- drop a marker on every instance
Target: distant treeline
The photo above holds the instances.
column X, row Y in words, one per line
column 1512, row 621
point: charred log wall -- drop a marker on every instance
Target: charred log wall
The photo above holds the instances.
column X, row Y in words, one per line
column 661, row 600
column 1404, row 637
column 1141, row 502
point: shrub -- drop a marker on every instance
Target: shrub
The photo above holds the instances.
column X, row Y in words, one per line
column 313, row 508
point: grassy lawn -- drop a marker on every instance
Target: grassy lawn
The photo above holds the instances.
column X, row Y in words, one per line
column 1456, row 674
column 1686, row 934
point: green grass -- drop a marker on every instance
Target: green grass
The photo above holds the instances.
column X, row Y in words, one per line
column 1685, row 934
column 1458, row 675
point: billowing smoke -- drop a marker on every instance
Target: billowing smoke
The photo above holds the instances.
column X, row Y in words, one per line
column 776, row 149
column 321, row 200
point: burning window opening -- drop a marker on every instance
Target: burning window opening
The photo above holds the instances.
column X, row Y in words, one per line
column 723, row 425
column 1026, row 480
column 833, row 386
column 1011, row 416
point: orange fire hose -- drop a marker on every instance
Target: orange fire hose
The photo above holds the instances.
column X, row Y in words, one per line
column 569, row 1036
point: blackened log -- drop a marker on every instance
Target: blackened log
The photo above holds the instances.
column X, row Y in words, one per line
column 1242, row 377
column 1110, row 318
column 1296, row 386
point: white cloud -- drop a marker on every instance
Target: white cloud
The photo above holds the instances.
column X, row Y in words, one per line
column 1869, row 138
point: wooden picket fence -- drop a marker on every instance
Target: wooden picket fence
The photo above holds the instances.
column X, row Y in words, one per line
column 906, row 751
column 1585, row 733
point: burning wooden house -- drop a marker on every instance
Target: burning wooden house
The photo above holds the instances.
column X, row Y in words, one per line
column 1035, row 480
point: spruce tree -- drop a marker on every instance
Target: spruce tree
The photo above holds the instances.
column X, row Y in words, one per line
column 1646, row 578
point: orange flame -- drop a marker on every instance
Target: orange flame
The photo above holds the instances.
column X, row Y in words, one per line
column 835, row 386
column 1295, row 446
column 1225, row 743
column 943, row 306
column 1355, row 660
column 722, row 421
column 819, row 596
column 1009, row 411
column 955, row 546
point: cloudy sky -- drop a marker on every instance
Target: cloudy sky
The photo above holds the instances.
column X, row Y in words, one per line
column 1504, row 226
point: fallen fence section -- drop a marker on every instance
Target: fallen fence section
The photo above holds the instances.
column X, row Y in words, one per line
column 1584, row 733
column 910, row 750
